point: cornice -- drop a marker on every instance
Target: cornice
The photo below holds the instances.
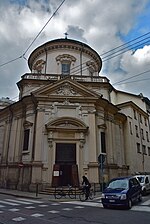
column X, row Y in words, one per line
column 68, row 44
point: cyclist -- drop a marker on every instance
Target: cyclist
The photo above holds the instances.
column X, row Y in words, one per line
column 86, row 186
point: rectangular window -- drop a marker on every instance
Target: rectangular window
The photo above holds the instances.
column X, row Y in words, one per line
column 103, row 142
column 147, row 136
column 144, row 149
column 26, row 139
column 65, row 68
column 130, row 125
column 142, row 133
column 134, row 114
column 149, row 151
column 145, row 121
column 140, row 118
column 138, row 147
column 136, row 129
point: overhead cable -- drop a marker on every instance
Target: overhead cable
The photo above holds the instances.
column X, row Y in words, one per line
column 43, row 27
column 130, row 47
column 116, row 83
column 126, row 43
column 23, row 55
column 8, row 62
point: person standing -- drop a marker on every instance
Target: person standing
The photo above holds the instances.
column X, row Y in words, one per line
column 86, row 185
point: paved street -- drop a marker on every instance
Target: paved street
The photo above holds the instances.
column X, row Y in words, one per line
column 29, row 210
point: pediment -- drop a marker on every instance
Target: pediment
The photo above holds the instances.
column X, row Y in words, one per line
column 67, row 123
column 67, row 88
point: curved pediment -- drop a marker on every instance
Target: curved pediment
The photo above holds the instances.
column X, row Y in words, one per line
column 67, row 123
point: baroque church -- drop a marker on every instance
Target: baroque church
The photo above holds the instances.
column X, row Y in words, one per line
column 70, row 121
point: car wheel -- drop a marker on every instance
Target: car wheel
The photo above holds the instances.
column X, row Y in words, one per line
column 105, row 206
column 140, row 198
column 144, row 192
column 129, row 204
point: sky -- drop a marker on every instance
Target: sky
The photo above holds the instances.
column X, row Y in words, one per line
column 102, row 24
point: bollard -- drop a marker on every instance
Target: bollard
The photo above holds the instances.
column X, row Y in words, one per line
column 37, row 189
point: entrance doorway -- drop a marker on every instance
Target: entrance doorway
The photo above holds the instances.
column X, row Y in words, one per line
column 65, row 165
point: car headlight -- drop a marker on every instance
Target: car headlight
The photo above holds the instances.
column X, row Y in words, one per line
column 123, row 197
column 103, row 195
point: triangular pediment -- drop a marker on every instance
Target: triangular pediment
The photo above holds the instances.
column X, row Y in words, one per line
column 65, row 88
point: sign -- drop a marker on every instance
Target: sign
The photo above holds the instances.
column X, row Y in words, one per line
column 56, row 173
column 101, row 159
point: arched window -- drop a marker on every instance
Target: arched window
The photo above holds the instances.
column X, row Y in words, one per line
column 65, row 68
column 65, row 61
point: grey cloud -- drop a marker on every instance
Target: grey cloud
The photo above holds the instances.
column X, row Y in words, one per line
column 76, row 32
column 96, row 22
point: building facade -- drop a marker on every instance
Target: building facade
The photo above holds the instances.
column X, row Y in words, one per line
column 69, row 118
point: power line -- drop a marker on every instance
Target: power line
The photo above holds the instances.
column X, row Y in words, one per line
column 43, row 27
column 84, row 68
column 116, row 83
column 8, row 62
column 121, row 53
column 128, row 47
column 23, row 55
column 126, row 43
column 139, row 80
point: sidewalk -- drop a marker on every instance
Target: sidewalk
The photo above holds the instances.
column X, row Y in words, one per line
column 24, row 194
column 33, row 195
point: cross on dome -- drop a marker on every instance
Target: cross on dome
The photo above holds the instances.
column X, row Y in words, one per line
column 66, row 34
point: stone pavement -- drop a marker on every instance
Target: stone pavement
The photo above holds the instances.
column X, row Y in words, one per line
column 33, row 195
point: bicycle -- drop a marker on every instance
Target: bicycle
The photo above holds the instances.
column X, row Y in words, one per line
column 59, row 193
column 82, row 195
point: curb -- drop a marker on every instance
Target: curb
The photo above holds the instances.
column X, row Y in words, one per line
column 20, row 195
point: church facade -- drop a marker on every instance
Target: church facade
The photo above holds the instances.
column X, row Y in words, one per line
column 70, row 121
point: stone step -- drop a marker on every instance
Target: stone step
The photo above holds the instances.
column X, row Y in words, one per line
column 52, row 191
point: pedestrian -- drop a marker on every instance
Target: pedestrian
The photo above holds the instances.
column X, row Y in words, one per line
column 86, row 186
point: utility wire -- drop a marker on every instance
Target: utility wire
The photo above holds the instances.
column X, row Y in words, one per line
column 125, row 43
column 116, row 83
column 128, row 47
column 43, row 27
column 8, row 62
column 139, row 80
column 147, row 42
column 23, row 55
column 83, row 69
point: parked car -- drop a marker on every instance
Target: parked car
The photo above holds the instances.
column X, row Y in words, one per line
column 144, row 182
column 122, row 191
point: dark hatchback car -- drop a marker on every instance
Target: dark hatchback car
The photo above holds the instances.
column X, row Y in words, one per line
column 122, row 191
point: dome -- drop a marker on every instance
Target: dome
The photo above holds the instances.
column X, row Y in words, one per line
column 62, row 47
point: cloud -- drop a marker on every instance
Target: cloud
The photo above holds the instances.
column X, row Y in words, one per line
column 99, row 23
column 76, row 32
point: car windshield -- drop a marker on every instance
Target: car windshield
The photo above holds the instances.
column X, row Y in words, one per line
column 141, row 179
column 121, row 184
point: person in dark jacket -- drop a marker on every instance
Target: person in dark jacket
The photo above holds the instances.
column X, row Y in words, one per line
column 86, row 185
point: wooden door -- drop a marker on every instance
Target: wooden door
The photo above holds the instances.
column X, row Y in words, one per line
column 66, row 163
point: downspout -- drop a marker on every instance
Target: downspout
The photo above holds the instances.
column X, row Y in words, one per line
column 141, row 145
